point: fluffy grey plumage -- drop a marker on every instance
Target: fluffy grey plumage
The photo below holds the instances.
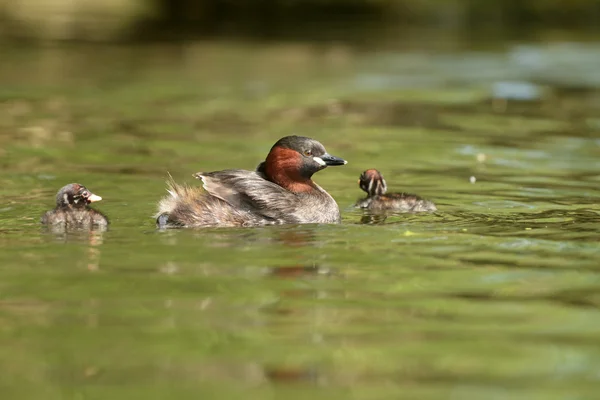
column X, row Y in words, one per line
column 396, row 201
column 280, row 191
column 85, row 218
column 244, row 198
column 72, row 209
column 372, row 182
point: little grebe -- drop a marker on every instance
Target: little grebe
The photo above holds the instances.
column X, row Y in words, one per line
column 372, row 182
column 72, row 209
column 280, row 191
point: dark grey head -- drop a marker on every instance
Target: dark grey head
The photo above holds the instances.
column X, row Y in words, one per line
column 75, row 195
column 372, row 182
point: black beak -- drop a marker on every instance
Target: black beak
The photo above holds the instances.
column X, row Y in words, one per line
column 332, row 160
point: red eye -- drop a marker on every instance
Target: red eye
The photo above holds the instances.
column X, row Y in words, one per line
column 308, row 153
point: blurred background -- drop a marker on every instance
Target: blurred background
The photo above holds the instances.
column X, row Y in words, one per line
column 118, row 20
column 489, row 108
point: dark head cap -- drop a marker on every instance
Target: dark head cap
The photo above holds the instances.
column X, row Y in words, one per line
column 372, row 182
column 314, row 157
column 75, row 195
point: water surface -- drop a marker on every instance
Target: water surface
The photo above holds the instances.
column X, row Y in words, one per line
column 494, row 296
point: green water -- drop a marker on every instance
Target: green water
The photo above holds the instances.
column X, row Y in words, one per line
column 494, row 296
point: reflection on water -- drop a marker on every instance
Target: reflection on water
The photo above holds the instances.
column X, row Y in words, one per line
column 373, row 219
column 299, row 271
column 494, row 295
column 91, row 237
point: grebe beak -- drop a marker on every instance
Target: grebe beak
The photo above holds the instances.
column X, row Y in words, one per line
column 328, row 159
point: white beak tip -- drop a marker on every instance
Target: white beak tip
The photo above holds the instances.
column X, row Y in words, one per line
column 93, row 198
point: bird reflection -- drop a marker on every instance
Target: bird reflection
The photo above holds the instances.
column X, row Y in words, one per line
column 93, row 237
column 373, row 219
column 298, row 271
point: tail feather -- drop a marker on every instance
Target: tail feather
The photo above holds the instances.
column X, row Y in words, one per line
column 176, row 192
column 195, row 207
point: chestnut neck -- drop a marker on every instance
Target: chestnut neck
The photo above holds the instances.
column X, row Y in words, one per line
column 284, row 167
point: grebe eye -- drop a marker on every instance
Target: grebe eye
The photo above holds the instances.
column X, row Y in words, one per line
column 308, row 153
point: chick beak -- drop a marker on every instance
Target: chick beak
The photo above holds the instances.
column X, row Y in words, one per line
column 93, row 198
